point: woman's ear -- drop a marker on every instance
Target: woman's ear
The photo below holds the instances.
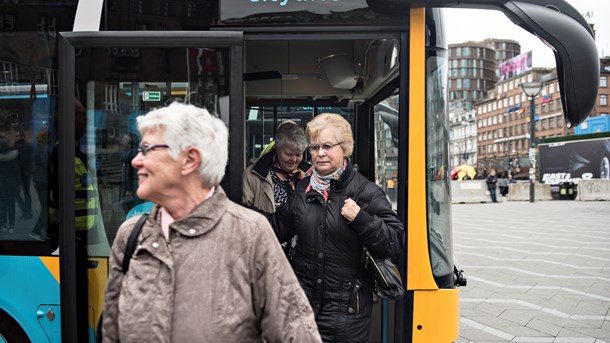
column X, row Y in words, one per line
column 192, row 161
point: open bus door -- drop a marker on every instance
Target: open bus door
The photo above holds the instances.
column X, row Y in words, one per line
column 118, row 76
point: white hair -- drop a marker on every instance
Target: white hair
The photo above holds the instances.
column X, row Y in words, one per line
column 187, row 126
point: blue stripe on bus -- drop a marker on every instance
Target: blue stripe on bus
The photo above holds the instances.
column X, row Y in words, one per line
column 26, row 284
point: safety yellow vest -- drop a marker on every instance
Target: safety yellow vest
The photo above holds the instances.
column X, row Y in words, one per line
column 85, row 199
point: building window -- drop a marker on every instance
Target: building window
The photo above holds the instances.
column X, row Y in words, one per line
column 551, row 123
column 603, row 81
column 603, row 100
column 551, row 105
column 559, row 122
column 543, row 124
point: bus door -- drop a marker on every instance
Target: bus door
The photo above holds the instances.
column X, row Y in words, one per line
column 117, row 76
column 356, row 75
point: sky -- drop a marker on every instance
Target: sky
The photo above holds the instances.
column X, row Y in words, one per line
column 494, row 24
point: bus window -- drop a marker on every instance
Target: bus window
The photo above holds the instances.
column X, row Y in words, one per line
column 437, row 156
column 113, row 103
column 386, row 147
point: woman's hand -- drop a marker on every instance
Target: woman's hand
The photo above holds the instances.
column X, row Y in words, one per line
column 350, row 209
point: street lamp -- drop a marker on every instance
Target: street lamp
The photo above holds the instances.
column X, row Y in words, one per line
column 532, row 89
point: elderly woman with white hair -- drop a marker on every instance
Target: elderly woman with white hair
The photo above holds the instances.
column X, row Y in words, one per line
column 204, row 269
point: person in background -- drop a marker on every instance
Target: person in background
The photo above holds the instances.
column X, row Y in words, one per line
column 492, row 181
column 205, row 269
column 271, row 181
column 336, row 212
column 86, row 208
column 129, row 178
column 503, row 184
column 9, row 191
column 25, row 170
column 40, row 176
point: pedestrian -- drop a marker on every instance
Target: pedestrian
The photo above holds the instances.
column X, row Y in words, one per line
column 129, row 178
column 204, row 269
column 25, row 170
column 335, row 213
column 86, row 211
column 9, row 192
column 271, row 181
column 40, row 177
column 503, row 184
column 492, row 181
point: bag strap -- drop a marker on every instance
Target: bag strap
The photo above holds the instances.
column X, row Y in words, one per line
column 132, row 240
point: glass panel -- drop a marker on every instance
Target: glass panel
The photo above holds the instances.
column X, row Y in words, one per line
column 125, row 84
column 439, row 195
column 386, row 147
column 262, row 121
column 28, row 104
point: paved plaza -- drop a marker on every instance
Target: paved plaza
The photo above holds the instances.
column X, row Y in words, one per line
column 537, row 272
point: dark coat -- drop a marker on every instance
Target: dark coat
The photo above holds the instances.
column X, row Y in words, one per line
column 328, row 259
column 492, row 180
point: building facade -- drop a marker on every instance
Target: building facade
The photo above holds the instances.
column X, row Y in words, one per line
column 599, row 120
column 463, row 126
column 472, row 69
column 503, row 131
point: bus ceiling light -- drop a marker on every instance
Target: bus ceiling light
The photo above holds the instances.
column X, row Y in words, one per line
column 339, row 70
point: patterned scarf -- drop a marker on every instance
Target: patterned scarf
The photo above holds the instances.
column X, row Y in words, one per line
column 291, row 177
column 322, row 183
column 281, row 188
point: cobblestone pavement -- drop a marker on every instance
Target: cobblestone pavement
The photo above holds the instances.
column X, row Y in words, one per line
column 537, row 272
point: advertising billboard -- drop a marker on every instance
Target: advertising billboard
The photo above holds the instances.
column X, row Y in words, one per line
column 575, row 160
column 515, row 66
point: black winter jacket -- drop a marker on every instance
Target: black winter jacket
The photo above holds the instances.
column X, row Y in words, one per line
column 328, row 259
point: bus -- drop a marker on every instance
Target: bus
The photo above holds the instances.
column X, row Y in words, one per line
column 382, row 64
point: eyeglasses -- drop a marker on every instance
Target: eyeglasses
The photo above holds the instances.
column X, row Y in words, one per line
column 145, row 149
column 326, row 147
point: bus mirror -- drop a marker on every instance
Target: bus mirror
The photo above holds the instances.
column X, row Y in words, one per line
column 575, row 54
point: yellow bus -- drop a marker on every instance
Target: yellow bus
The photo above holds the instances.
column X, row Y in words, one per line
column 382, row 64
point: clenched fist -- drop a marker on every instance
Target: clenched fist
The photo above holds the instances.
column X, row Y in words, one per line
column 350, row 209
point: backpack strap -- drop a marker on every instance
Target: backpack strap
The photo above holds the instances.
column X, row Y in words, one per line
column 131, row 242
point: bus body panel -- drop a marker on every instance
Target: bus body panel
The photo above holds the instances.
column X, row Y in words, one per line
column 436, row 315
column 29, row 289
column 419, row 275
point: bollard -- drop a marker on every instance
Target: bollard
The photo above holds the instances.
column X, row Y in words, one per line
column 563, row 191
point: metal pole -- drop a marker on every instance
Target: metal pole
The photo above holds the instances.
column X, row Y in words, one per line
column 532, row 154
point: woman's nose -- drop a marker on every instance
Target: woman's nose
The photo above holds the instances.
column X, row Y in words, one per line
column 136, row 162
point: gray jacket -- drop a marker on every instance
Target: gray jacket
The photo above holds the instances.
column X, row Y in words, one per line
column 221, row 277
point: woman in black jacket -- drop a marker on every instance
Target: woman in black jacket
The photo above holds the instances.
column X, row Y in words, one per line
column 336, row 212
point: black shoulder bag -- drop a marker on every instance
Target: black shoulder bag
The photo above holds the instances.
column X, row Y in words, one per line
column 387, row 282
column 129, row 249
column 386, row 277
